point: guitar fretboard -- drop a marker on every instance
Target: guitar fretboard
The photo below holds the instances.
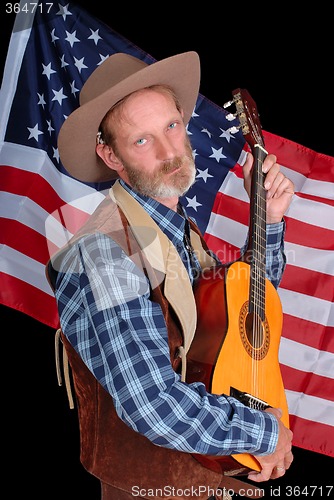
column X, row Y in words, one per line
column 258, row 263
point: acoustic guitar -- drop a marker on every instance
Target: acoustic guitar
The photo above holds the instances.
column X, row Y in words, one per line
column 235, row 350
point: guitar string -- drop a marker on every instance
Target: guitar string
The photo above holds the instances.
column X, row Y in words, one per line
column 258, row 281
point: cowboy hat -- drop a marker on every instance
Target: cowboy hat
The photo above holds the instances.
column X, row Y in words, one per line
column 118, row 76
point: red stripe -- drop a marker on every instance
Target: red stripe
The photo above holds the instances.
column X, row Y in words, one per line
column 31, row 185
column 308, row 235
column 237, row 169
column 38, row 190
column 24, row 239
column 312, row 435
column 308, row 282
column 313, row 165
column 307, row 383
column 23, row 297
column 232, row 208
column 306, row 332
column 318, row 199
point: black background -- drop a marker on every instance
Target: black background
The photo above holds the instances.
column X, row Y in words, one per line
column 284, row 60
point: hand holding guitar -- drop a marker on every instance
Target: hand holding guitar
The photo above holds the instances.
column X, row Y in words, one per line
column 279, row 188
column 275, row 465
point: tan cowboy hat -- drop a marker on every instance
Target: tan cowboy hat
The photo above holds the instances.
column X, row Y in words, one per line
column 120, row 75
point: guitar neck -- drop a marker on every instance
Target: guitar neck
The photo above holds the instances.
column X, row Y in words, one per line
column 257, row 235
column 247, row 113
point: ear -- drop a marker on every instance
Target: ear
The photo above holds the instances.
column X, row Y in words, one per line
column 107, row 154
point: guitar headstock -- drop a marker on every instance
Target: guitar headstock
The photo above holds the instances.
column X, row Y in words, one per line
column 246, row 111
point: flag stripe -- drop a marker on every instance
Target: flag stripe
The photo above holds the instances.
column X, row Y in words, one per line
column 306, row 307
column 310, row 407
column 319, row 199
column 318, row 284
column 308, row 332
column 308, row 211
column 18, row 236
column 294, row 380
column 300, row 158
column 21, row 266
column 306, row 358
column 29, row 159
column 42, row 194
column 310, row 235
column 311, row 435
column 31, row 300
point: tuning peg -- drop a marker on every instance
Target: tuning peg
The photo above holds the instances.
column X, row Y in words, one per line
column 230, row 117
column 228, row 104
column 234, row 130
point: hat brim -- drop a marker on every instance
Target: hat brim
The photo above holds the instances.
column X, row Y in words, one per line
column 77, row 136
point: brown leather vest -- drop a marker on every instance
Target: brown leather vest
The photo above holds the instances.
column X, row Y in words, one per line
column 109, row 449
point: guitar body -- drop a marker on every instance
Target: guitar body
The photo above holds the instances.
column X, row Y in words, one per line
column 225, row 357
column 235, row 350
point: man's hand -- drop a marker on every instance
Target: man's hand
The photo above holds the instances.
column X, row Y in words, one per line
column 279, row 188
column 275, row 465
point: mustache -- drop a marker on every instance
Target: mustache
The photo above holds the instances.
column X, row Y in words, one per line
column 175, row 163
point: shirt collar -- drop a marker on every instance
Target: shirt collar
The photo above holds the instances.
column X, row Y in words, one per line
column 172, row 223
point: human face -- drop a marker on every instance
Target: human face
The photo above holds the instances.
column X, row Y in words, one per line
column 153, row 146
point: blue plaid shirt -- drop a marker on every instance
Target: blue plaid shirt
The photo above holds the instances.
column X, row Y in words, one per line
column 107, row 315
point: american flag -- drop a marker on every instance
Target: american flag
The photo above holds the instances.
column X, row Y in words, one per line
column 52, row 51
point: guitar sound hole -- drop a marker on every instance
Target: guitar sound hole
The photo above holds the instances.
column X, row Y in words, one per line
column 254, row 333
column 254, row 330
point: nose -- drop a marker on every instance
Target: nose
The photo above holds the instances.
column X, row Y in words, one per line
column 165, row 149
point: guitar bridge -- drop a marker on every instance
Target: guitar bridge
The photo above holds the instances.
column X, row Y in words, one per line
column 248, row 399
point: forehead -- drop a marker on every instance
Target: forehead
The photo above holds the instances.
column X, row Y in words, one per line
column 147, row 96
column 147, row 105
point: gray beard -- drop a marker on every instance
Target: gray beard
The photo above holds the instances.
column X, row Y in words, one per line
column 156, row 187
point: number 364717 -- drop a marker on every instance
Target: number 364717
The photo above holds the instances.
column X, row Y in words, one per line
column 28, row 7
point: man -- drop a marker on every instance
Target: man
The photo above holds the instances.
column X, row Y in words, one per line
column 123, row 286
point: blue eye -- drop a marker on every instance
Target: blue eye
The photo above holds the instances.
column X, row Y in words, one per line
column 141, row 141
column 172, row 125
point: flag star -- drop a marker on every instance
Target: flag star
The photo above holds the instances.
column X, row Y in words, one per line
column 47, row 70
column 205, row 131
column 59, row 95
column 50, row 128
column 95, row 36
column 79, row 64
column 194, row 115
column 41, row 100
column 63, row 11
column 63, row 62
column 226, row 134
column 71, row 38
column 34, row 132
column 193, row 203
column 53, row 36
column 203, row 174
column 102, row 59
column 55, row 153
column 194, row 152
column 187, row 129
column 217, row 154
column 74, row 90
